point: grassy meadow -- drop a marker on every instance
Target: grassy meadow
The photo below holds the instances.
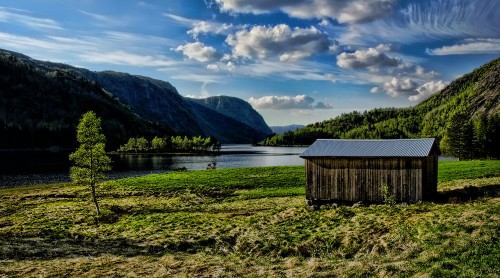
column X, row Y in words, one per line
column 249, row 222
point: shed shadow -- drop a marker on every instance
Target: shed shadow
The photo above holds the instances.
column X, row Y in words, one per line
column 467, row 193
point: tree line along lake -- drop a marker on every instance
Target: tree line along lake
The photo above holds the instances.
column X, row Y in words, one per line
column 19, row 168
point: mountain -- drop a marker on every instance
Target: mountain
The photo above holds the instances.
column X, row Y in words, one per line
column 282, row 129
column 474, row 94
column 40, row 109
column 216, row 124
column 236, row 109
column 156, row 102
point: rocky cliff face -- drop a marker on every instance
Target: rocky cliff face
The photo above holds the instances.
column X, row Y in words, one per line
column 236, row 109
column 218, row 125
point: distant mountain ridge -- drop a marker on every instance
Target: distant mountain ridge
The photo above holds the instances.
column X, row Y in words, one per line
column 159, row 103
column 282, row 129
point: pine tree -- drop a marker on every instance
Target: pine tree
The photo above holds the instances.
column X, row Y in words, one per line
column 90, row 158
column 459, row 136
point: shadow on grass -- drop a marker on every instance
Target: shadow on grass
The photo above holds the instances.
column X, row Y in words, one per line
column 39, row 248
column 468, row 193
column 46, row 249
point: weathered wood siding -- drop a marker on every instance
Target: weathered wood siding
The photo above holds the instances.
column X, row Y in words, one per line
column 360, row 179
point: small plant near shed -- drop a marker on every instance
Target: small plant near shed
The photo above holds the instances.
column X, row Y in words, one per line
column 388, row 197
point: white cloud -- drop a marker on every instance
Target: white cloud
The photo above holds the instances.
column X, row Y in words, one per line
column 400, row 86
column 353, row 11
column 51, row 44
column 19, row 17
column 124, row 58
column 103, row 20
column 209, row 27
column 289, row 44
column 304, row 70
column 427, row 89
column 213, row 67
column 411, row 89
column 230, row 66
column 201, row 27
column 421, row 73
column 184, row 21
column 372, row 57
column 469, row 46
column 423, row 20
column 199, row 52
column 287, row 102
column 374, row 90
column 195, row 77
column 324, row 22
column 88, row 49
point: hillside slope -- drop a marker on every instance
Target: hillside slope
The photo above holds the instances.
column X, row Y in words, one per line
column 476, row 93
column 154, row 100
column 158, row 102
column 41, row 109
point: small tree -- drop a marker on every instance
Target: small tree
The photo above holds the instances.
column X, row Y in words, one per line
column 158, row 144
column 90, row 158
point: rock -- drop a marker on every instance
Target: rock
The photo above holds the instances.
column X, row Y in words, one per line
column 312, row 208
column 358, row 204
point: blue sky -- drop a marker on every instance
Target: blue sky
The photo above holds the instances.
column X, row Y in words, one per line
column 295, row 61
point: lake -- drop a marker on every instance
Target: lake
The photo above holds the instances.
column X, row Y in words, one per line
column 39, row 167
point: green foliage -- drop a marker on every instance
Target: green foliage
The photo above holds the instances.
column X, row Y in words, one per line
column 245, row 223
column 459, row 135
column 40, row 109
column 388, row 197
column 90, row 158
column 223, row 180
column 474, row 98
column 454, row 170
column 171, row 144
column 472, row 138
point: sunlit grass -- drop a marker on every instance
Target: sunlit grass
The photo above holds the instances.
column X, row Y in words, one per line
column 248, row 222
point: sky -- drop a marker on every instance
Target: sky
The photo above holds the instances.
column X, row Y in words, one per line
column 294, row 61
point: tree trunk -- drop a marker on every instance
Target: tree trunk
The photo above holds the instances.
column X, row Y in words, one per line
column 95, row 199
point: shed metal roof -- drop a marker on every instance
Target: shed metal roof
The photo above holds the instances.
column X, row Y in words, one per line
column 370, row 148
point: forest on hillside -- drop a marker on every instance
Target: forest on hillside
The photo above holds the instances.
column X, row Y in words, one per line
column 41, row 109
column 464, row 117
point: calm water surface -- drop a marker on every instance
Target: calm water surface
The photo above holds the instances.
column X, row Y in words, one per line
column 29, row 168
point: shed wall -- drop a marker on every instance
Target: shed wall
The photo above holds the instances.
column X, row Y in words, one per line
column 360, row 179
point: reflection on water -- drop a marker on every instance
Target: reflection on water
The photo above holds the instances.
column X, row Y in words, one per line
column 27, row 168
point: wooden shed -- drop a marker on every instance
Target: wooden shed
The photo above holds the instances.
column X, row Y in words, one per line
column 355, row 170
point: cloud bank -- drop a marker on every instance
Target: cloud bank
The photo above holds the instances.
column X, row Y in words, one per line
column 287, row 102
column 469, row 46
column 199, row 52
column 344, row 11
column 281, row 40
column 367, row 58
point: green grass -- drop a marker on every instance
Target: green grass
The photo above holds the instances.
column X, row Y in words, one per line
column 249, row 222
column 453, row 170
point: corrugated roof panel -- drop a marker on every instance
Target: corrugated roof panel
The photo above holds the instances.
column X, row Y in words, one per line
column 370, row 148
